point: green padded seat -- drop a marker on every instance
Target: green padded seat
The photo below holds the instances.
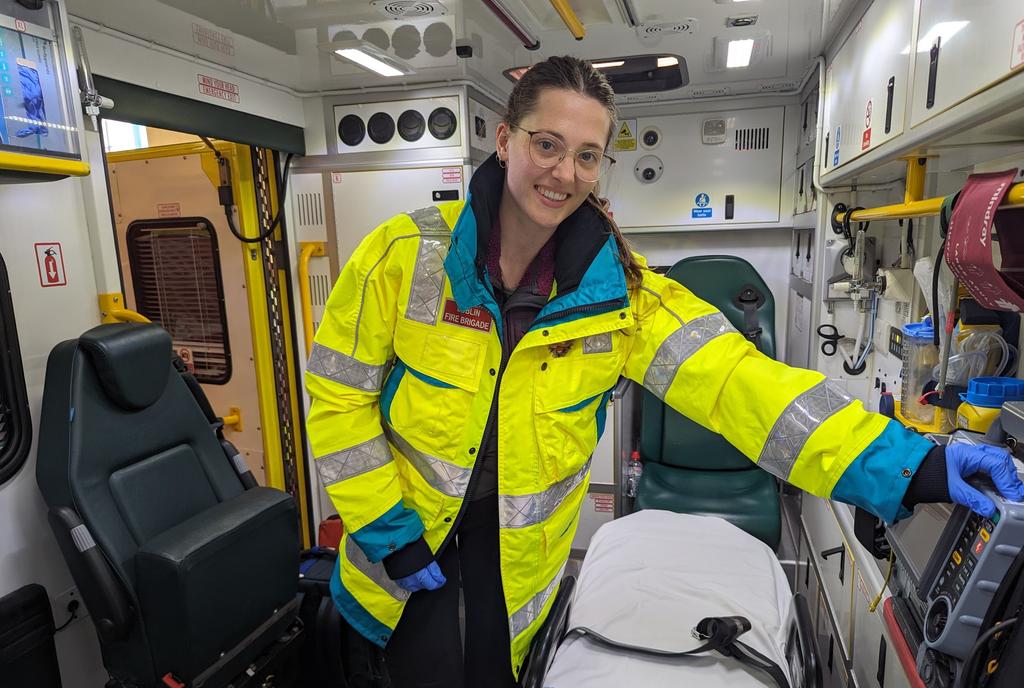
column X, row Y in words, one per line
column 687, row 468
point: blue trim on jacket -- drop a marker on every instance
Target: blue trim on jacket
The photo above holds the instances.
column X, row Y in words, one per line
column 389, row 532
column 603, row 281
column 878, row 478
column 360, row 619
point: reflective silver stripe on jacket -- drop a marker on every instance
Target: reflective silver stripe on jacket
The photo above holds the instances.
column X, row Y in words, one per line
column 597, row 343
column 529, row 612
column 679, row 346
column 348, row 463
column 801, row 418
column 444, row 477
column 428, row 275
column 375, row 572
column 333, row 365
column 519, row 511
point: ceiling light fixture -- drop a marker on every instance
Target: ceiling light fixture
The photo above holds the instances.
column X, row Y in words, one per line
column 368, row 56
column 739, row 53
column 568, row 15
column 513, row 24
column 668, row 61
column 608, row 65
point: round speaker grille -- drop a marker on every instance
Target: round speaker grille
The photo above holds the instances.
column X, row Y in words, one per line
column 406, row 41
column 381, row 127
column 441, row 123
column 411, row 125
column 351, row 130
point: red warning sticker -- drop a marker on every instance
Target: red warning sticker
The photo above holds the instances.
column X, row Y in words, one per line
column 1017, row 56
column 451, row 175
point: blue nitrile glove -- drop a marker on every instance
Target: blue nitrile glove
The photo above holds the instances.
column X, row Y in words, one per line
column 964, row 460
column 427, row 578
column 32, row 99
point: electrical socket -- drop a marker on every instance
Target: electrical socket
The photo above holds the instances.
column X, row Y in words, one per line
column 61, row 603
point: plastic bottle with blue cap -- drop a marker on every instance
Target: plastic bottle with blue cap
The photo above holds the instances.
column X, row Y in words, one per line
column 984, row 399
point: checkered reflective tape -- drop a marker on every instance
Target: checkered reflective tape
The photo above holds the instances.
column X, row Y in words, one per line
column 348, row 463
column 428, row 275
column 803, row 416
column 679, row 346
column 374, row 572
column 529, row 612
column 333, row 365
column 520, row 511
column 444, row 477
column 597, row 343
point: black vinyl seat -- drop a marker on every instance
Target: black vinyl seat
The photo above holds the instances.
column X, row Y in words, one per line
column 182, row 569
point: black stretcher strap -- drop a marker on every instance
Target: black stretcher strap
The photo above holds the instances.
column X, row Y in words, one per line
column 719, row 633
column 750, row 299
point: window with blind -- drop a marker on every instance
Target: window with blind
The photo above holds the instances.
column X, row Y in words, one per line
column 15, row 422
column 175, row 266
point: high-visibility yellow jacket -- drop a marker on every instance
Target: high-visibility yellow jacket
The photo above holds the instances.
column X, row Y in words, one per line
column 408, row 360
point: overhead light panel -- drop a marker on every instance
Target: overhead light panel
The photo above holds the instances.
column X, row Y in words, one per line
column 634, row 74
column 609, row 65
column 369, row 57
column 367, row 61
column 568, row 15
column 512, row 24
column 739, row 53
column 668, row 61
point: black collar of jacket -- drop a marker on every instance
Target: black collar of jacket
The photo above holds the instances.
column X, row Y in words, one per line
column 577, row 240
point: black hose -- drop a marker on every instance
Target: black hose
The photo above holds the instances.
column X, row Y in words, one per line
column 262, row 236
column 968, row 677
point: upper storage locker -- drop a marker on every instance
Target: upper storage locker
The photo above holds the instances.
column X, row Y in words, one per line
column 708, row 168
column 950, row 67
column 866, row 84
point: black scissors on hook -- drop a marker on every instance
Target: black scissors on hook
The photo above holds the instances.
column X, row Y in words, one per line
column 831, row 336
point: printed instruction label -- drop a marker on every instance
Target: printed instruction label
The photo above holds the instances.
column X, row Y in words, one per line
column 835, row 154
column 168, row 209
column 625, row 136
column 703, row 209
column 218, row 88
column 451, row 175
column 865, row 139
column 603, row 503
column 213, row 39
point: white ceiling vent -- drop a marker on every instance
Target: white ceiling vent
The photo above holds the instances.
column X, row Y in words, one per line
column 658, row 29
column 409, row 9
column 639, row 98
column 778, row 86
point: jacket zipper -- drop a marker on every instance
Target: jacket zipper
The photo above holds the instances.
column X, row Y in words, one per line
column 606, row 305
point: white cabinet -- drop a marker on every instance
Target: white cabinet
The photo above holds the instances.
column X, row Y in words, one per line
column 835, row 566
column 949, row 66
column 875, row 663
column 710, row 168
column 866, row 84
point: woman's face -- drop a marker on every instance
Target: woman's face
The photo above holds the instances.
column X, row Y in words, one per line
column 546, row 196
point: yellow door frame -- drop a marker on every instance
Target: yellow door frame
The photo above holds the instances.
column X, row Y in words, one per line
column 243, row 185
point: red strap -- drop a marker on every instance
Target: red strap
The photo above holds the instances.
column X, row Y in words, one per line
column 969, row 245
column 899, row 643
column 171, row 681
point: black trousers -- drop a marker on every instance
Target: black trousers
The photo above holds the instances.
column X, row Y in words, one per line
column 426, row 649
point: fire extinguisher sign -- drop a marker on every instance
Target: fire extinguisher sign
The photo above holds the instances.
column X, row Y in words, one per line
column 50, row 261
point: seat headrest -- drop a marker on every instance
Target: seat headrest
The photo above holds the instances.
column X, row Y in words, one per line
column 131, row 360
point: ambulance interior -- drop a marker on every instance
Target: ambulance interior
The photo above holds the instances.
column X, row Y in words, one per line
column 843, row 179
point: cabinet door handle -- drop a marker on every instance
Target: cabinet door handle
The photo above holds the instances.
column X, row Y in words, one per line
column 841, row 551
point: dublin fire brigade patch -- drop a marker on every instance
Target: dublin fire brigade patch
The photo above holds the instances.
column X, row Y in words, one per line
column 475, row 318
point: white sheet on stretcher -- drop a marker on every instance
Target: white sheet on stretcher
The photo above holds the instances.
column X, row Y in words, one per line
column 647, row 579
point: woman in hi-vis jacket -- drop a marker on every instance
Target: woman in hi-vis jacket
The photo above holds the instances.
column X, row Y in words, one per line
column 459, row 384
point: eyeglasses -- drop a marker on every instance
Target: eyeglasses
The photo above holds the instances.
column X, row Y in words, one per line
column 547, row 150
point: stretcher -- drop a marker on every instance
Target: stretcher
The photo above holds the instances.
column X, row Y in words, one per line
column 647, row 580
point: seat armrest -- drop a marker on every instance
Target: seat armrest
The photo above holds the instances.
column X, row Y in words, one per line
column 102, row 592
column 205, row 584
